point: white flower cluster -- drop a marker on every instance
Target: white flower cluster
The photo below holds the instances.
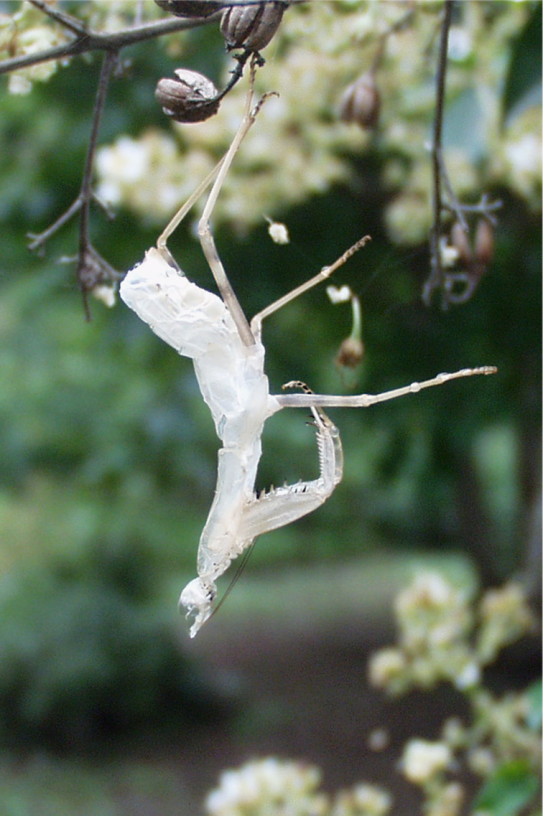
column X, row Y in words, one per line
column 435, row 622
column 26, row 32
column 299, row 147
column 504, row 617
column 268, row 786
column 362, row 800
column 146, row 172
column 438, row 640
column 274, row 787
column 443, row 637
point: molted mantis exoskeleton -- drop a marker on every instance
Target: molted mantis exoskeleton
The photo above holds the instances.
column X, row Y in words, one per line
column 228, row 358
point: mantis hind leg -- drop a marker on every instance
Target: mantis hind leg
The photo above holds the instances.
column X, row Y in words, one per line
column 283, row 505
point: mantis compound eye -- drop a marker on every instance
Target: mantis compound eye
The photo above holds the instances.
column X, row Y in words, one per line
column 190, row 8
column 190, row 97
column 251, row 27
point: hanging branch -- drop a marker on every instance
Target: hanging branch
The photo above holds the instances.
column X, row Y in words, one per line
column 92, row 269
column 86, row 41
column 444, row 199
column 94, row 273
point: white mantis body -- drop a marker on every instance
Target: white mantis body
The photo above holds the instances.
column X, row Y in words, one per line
column 228, row 358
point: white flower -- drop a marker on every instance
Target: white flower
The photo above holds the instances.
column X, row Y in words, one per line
column 460, row 44
column 386, row 666
column 268, row 786
column 19, row 85
column 106, row 294
column 448, row 254
column 422, row 760
column 340, row 294
column 278, row 232
column 469, row 677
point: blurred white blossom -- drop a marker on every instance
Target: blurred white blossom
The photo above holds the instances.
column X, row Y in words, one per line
column 504, row 616
column 422, row 760
column 362, row 800
column 147, row 172
column 278, row 232
column 299, row 148
column 268, row 786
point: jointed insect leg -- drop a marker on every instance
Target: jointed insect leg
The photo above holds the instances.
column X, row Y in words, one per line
column 204, row 229
column 216, row 178
column 324, row 274
column 283, row 505
column 365, row 400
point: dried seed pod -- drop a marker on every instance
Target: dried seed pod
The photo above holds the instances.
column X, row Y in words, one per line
column 361, row 102
column 460, row 241
column 191, row 97
column 484, row 242
column 251, row 27
column 350, row 352
column 190, row 8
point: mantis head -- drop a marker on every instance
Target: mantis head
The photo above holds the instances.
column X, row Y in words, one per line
column 198, row 597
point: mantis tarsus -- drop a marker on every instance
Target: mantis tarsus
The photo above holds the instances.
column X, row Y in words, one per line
column 228, row 358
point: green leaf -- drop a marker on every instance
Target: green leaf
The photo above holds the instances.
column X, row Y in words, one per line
column 508, row 790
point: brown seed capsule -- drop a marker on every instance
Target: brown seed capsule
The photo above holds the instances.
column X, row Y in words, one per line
column 188, row 98
column 361, row 102
column 484, row 242
column 460, row 241
column 251, row 27
column 190, row 8
column 350, row 352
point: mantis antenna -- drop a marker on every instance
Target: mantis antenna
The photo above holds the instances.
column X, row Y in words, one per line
column 228, row 357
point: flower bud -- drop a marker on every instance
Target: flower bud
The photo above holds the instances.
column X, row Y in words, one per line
column 188, row 98
column 460, row 241
column 361, row 102
column 190, row 8
column 484, row 242
column 251, row 27
column 350, row 352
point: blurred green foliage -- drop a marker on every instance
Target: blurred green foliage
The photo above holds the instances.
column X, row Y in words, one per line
column 508, row 791
column 85, row 662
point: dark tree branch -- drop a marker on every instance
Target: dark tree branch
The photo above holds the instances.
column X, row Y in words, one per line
column 71, row 23
column 435, row 279
column 114, row 41
column 86, row 41
column 456, row 287
column 93, row 270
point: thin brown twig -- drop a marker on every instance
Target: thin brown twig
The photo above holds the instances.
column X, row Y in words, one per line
column 95, row 41
column 485, row 207
column 71, row 23
column 86, row 183
column 92, row 269
column 86, row 40
column 444, row 199
column 435, row 279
